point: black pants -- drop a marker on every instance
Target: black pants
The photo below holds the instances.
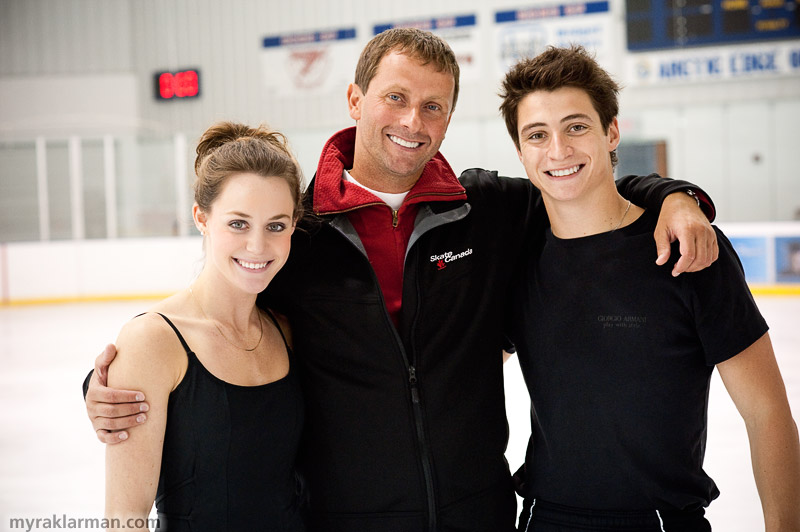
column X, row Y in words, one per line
column 541, row 516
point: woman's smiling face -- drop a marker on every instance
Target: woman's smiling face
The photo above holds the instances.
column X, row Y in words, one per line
column 248, row 230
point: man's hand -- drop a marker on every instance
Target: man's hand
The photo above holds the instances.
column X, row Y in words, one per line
column 683, row 220
column 111, row 411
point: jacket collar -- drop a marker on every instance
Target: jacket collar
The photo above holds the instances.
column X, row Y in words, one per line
column 332, row 194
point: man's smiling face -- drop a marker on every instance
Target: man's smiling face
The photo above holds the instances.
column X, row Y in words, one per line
column 401, row 121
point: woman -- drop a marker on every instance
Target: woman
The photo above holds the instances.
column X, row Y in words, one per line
column 226, row 411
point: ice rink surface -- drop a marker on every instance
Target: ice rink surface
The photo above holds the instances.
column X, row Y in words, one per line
column 51, row 463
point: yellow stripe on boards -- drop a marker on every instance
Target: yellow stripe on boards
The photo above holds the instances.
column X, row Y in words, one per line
column 791, row 290
column 83, row 299
column 775, row 289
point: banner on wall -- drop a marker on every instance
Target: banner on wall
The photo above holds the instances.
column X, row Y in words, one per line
column 527, row 32
column 787, row 259
column 752, row 251
column 459, row 31
column 752, row 61
column 314, row 62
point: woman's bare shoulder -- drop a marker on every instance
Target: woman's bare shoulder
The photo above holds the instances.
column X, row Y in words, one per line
column 148, row 351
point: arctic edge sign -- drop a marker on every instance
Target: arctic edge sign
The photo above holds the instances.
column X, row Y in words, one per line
column 725, row 64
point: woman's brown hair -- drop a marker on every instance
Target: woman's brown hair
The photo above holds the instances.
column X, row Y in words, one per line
column 227, row 148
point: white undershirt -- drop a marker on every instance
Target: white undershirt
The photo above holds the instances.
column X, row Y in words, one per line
column 393, row 200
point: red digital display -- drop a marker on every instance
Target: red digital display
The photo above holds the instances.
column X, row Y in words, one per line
column 177, row 85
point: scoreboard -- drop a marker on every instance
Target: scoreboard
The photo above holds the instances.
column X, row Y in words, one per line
column 666, row 24
column 177, row 85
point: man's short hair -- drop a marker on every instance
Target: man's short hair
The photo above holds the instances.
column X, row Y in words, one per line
column 553, row 69
column 421, row 45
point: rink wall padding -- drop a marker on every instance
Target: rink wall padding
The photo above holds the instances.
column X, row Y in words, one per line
column 95, row 270
column 147, row 268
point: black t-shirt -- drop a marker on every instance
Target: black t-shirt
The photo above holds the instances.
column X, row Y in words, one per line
column 617, row 356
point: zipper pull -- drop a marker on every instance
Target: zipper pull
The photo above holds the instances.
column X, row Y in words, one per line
column 394, row 218
column 412, row 379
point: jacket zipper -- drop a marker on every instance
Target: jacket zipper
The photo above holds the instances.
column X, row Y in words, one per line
column 427, row 467
column 426, row 458
column 326, row 213
column 435, row 194
column 395, row 213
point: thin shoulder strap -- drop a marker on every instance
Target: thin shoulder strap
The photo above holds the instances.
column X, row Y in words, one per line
column 180, row 336
column 280, row 330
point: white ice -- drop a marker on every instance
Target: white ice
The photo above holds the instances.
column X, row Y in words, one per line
column 51, row 463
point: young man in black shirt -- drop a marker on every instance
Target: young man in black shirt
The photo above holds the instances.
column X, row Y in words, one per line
column 616, row 353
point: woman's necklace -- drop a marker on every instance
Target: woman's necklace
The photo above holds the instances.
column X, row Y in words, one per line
column 260, row 324
column 621, row 219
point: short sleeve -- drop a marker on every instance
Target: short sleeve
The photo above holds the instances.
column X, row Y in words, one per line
column 726, row 315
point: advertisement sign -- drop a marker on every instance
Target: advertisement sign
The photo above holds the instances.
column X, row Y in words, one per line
column 787, row 259
column 459, row 31
column 753, row 61
column 315, row 62
column 527, row 32
column 752, row 252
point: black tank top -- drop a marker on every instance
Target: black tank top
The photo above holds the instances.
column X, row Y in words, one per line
column 229, row 453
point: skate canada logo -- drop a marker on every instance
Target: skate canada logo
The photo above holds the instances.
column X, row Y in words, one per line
column 442, row 260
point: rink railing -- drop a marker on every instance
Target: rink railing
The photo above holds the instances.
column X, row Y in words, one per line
column 97, row 270
column 145, row 268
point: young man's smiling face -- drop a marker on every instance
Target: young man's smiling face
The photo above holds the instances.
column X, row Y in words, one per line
column 401, row 121
column 565, row 151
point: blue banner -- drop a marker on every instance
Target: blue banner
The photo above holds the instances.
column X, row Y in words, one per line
column 752, row 253
column 787, row 259
column 430, row 24
column 562, row 10
column 309, row 37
